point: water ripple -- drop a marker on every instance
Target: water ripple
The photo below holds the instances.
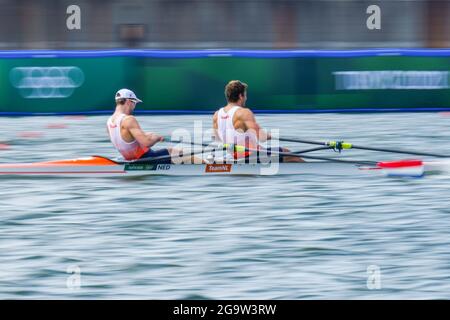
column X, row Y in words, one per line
column 284, row 237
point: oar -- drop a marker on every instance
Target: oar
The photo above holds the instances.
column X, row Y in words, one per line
column 341, row 145
column 182, row 155
column 300, row 155
column 312, row 150
column 237, row 148
column 283, row 154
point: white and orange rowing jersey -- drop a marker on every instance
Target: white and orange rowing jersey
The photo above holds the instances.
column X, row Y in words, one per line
column 229, row 135
column 129, row 150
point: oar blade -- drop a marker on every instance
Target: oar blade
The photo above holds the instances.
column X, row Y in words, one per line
column 402, row 168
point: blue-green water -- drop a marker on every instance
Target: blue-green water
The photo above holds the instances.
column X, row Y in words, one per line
column 281, row 237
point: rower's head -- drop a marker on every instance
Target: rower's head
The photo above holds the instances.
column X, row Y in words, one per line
column 127, row 100
column 236, row 92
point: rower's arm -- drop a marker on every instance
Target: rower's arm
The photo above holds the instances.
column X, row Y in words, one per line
column 250, row 123
column 145, row 139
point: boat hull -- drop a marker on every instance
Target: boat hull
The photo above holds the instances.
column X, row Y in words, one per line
column 98, row 166
column 95, row 166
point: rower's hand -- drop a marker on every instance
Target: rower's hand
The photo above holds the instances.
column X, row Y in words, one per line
column 153, row 139
column 158, row 138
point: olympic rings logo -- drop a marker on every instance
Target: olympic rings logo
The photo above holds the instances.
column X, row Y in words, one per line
column 46, row 82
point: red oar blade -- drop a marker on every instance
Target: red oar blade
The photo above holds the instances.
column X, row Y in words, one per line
column 403, row 168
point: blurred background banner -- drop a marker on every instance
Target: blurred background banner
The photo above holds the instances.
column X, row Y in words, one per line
column 296, row 56
column 205, row 24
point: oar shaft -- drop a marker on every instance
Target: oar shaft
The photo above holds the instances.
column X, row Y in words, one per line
column 303, row 141
column 190, row 142
column 182, row 155
column 311, row 150
column 416, row 153
column 243, row 149
column 292, row 154
column 345, row 145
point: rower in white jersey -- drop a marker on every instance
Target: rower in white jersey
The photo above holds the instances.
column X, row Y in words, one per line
column 131, row 141
column 236, row 124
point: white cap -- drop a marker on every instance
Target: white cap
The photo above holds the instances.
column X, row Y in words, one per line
column 127, row 94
